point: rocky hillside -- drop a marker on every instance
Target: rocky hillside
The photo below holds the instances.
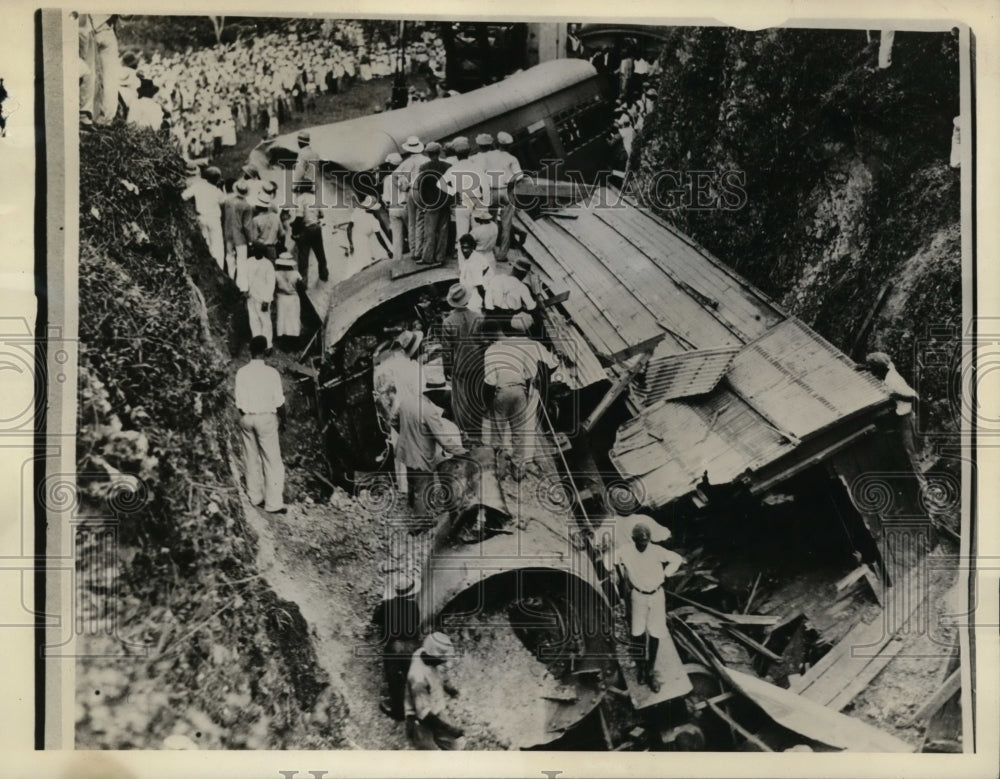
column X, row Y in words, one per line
column 851, row 205
column 203, row 651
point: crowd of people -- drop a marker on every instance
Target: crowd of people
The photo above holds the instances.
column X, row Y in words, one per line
column 206, row 96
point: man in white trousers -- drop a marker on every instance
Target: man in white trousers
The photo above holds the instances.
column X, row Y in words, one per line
column 260, row 295
column 260, row 398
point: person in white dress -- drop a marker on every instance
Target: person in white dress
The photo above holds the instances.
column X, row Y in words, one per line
column 287, row 304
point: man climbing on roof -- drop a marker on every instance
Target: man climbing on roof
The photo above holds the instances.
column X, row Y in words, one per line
column 646, row 567
column 882, row 367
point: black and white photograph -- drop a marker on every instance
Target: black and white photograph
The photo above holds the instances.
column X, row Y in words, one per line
column 541, row 385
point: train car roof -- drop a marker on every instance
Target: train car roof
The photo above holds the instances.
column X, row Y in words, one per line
column 363, row 143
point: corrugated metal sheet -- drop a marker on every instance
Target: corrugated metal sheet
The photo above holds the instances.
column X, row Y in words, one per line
column 784, row 387
column 800, row 382
column 632, row 279
column 667, row 448
column 672, row 376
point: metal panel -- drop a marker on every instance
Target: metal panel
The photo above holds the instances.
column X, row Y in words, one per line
column 671, row 376
column 801, row 382
column 671, row 445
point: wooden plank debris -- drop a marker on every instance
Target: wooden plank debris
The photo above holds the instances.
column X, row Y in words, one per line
column 950, row 686
column 856, row 660
column 720, row 712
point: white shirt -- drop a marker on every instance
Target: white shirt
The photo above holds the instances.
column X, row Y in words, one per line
column 897, row 385
column 207, row 199
column 512, row 361
column 258, row 387
column 465, row 177
column 261, row 273
column 646, row 568
column 506, row 292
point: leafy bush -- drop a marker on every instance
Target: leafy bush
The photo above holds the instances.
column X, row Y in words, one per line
column 156, row 421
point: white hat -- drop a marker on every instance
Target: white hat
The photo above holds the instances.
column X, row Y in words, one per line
column 413, row 145
column 505, row 139
column 438, row 645
column 368, row 203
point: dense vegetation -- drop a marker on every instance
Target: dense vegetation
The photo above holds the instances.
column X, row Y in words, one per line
column 847, row 180
column 226, row 662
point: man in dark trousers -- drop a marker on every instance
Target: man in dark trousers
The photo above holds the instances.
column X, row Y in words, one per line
column 307, row 230
column 434, row 204
column 462, row 356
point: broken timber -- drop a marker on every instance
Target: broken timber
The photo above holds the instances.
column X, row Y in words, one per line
column 620, row 385
column 858, row 658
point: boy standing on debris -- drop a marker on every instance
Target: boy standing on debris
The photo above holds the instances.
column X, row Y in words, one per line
column 424, row 703
column 646, row 567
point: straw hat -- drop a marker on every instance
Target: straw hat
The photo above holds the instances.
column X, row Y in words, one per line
column 368, row 203
column 522, row 264
column 285, row 260
column 438, row 645
column 410, row 340
column 481, row 212
column 263, row 200
column 505, row 139
column 484, row 139
column 394, row 158
column 413, row 145
column 458, row 296
column 303, row 136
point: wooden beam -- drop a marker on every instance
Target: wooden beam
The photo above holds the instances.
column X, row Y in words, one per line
column 758, row 647
column 617, row 388
column 738, row 727
column 951, row 685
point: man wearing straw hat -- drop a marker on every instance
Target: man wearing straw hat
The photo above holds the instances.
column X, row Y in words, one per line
column 265, row 228
column 425, row 704
column 406, row 174
column 462, row 358
column 307, row 163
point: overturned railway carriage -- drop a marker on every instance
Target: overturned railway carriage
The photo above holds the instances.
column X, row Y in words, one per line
column 558, row 110
column 725, row 418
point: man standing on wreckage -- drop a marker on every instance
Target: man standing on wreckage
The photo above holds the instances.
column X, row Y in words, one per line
column 646, row 567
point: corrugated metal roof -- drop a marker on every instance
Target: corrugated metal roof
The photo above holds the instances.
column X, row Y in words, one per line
column 788, row 385
column 800, row 382
column 632, row 279
column 671, row 376
column 668, row 447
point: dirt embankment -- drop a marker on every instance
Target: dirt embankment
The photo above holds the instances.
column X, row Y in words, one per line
column 851, row 206
column 203, row 650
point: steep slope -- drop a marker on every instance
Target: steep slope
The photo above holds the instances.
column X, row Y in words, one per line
column 202, row 647
column 850, row 201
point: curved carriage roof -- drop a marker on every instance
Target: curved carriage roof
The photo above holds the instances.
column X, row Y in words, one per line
column 363, row 143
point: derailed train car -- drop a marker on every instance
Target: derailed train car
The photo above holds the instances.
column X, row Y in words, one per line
column 721, row 414
column 558, row 110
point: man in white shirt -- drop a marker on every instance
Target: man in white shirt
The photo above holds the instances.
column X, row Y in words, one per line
column 510, row 367
column 307, row 163
column 646, row 567
column 503, row 169
column 881, row 365
column 464, row 179
column 405, row 176
column 509, row 292
column 260, row 398
column 260, row 294
column 208, row 205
